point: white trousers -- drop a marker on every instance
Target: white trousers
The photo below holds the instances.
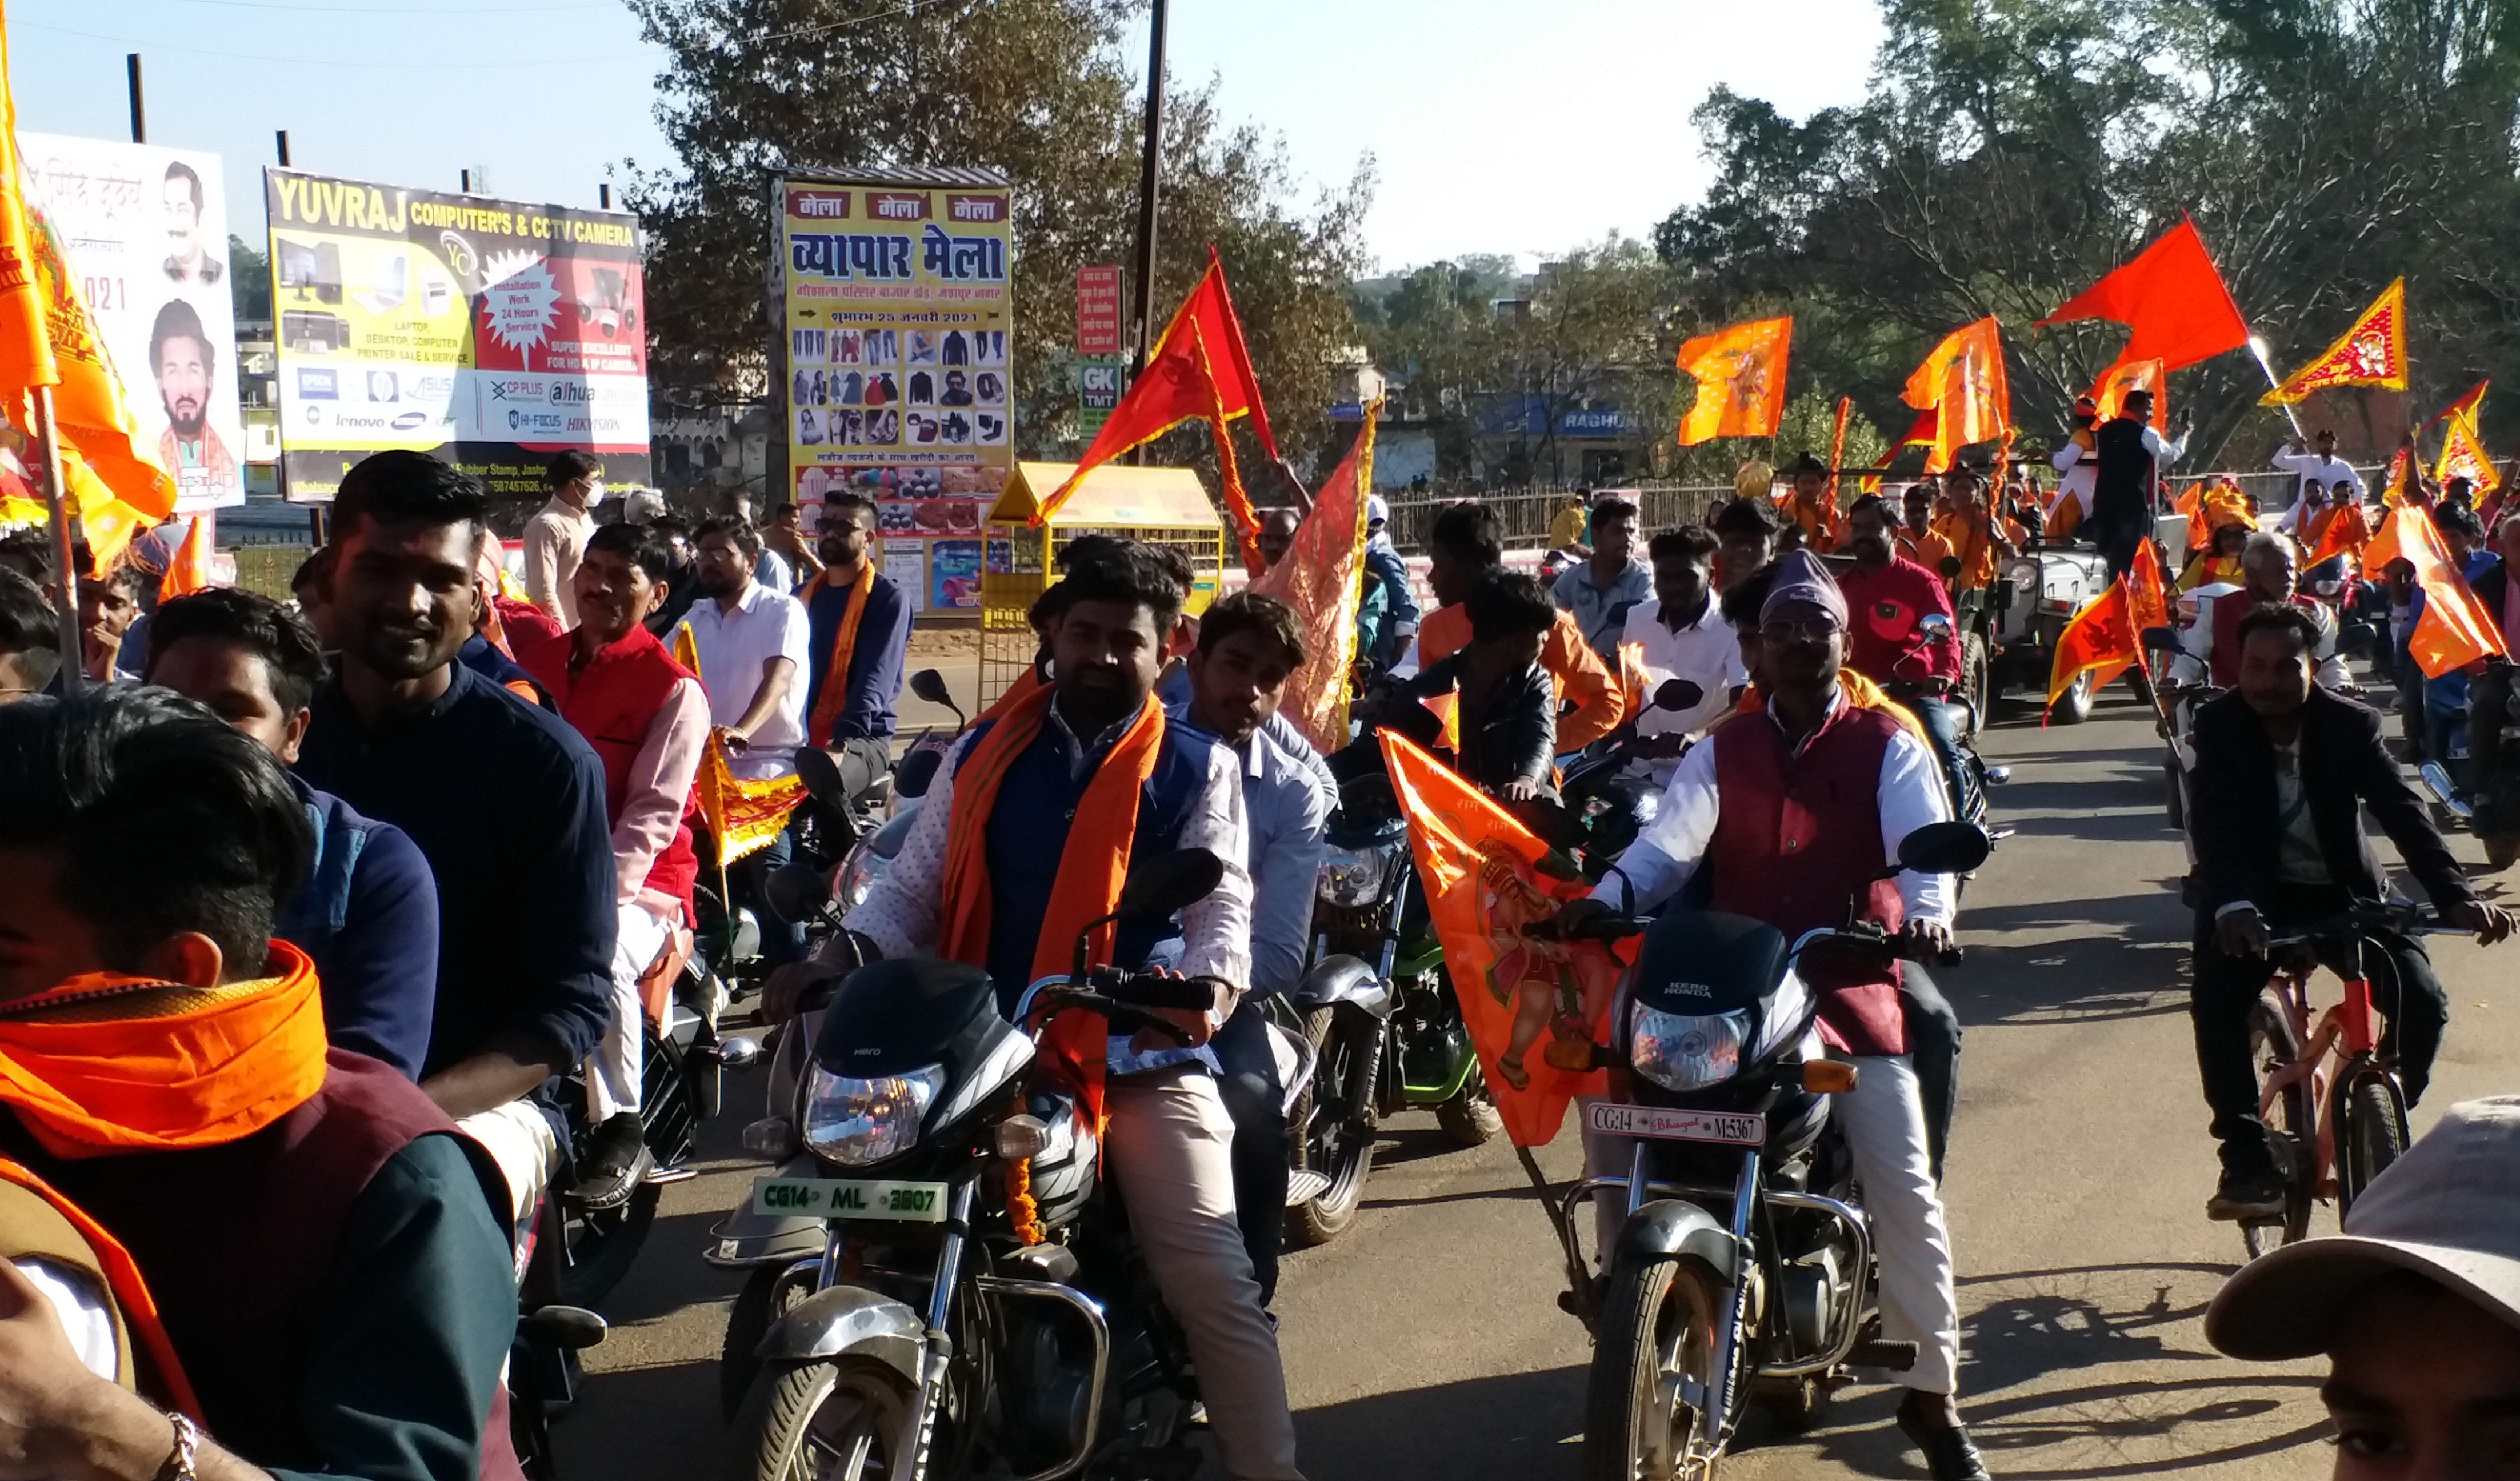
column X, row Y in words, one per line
column 612, row 1071
column 519, row 1139
column 1171, row 1143
column 1883, row 1121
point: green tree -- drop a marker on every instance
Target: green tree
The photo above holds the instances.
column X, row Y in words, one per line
column 249, row 281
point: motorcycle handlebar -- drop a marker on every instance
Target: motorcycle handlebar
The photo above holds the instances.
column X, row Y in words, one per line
column 1602, row 929
column 1155, row 990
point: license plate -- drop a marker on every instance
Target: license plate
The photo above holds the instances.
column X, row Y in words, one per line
column 850, row 1199
column 1725, row 1128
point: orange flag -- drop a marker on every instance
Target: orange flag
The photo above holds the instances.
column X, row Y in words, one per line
column 2110, row 391
column 1534, row 1008
column 2348, row 531
column 1199, row 369
column 1740, row 374
column 1962, row 384
column 2147, row 605
column 190, row 570
column 2402, row 472
column 2103, row 635
column 2456, row 630
column 2172, row 299
column 1322, row 576
column 2462, row 454
column 2374, row 352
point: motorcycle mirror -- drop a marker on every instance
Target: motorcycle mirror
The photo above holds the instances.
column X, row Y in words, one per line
column 1951, row 567
column 2356, row 637
column 1677, row 694
column 1171, row 881
column 1944, row 849
column 918, row 772
column 2156, row 637
column 795, row 892
column 930, row 685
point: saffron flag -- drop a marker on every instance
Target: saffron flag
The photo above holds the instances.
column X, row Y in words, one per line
column 2147, row 605
column 2462, row 454
column 2402, row 472
column 2110, row 393
column 1740, row 374
column 742, row 815
column 2374, row 352
column 1487, row 877
column 1322, row 578
column 2172, row 299
column 2103, row 635
column 1199, row 369
column 1962, row 384
column 2346, row 533
column 2456, row 630
column 190, row 570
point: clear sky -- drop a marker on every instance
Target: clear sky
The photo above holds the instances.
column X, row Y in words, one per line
column 1500, row 127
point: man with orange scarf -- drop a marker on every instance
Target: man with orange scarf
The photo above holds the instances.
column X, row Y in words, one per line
column 335, row 1298
column 1026, row 836
column 858, row 632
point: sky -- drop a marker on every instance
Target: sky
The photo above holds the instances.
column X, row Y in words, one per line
column 1495, row 126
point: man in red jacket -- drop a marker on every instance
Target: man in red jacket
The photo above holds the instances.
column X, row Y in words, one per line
column 647, row 720
column 1890, row 641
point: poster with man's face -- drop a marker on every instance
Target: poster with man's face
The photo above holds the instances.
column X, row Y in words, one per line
column 146, row 231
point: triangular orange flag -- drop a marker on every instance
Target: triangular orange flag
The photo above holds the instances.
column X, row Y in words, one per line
column 190, row 570
column 2172, row 299
column 2374, row 352
column 2456, row 630
column 1322, row 576
column 2103, row 633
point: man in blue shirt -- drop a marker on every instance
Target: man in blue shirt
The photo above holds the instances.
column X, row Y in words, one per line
column 1248, row 646
column 1383, row 567
column 858, row 715
column 504, row 799
column 1601, row 591
column 367, row 913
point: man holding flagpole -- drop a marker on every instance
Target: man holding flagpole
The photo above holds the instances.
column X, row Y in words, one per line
column 2130, row 456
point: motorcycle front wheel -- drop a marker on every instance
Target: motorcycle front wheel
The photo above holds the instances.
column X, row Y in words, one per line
column 1657, row 1335
column 1341, row 1151
column 847, row 1418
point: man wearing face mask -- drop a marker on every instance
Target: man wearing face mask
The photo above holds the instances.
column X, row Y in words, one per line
column 556, row 536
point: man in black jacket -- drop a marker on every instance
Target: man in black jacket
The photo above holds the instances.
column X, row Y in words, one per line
column 2129, row 455
column 1507, row 720
column 2281, row 768
column 2489, row 693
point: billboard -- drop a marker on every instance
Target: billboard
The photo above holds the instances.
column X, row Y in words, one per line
column 146, row 231
column 491, row 333
column 895, row 341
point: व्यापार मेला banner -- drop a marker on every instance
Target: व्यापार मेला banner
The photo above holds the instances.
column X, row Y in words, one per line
column 491, row 333
column 897, row 320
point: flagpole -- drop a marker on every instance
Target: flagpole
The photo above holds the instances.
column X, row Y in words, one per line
column 2258, row 348
column 57, row 500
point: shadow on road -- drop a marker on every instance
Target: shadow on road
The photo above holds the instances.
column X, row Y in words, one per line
column 644, row 1421
column 1509, row 1428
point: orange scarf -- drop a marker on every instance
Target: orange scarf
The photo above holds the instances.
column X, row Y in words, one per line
column 130, row 1292
column 106, row 1063
column 1091, row 866
column 834, row 695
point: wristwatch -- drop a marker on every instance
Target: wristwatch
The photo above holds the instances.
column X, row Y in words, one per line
column 179, row 1466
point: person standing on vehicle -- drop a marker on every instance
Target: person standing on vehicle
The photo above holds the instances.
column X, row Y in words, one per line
column 367, row 914
column 1602, row 591
column 1465, row 546
column 1248, row 647
column 2078, row 469
column 557, row 532
column 1730, row 811
column 1918, row 540
column 2209, row 651
column 1890, row 642
column 504, row 799
column 647, row 720
column 1680, row 633
column 337, row 1289
column 2285, row 769
column 752, row 641
column 857, row 639
column 2128, row 457
column 1026, row 836
column 2322, row 467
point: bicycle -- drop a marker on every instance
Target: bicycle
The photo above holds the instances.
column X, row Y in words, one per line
column 2316, row 1082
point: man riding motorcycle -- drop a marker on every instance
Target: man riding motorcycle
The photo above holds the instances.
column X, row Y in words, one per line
column 2210, row 649
column 1729, row 809
column 1889, row 642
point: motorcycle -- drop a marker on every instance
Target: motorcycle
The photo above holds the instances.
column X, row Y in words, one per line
column 2490, row 811
column 1970, row 803
column 977, row 1300
column 1742, row 1272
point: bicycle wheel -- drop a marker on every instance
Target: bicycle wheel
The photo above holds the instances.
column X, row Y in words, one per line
column 2372, row 1133
column 2292, row 1128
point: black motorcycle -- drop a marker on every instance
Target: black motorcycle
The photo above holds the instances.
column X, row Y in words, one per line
column 978, row 1302
column 1742, row 1272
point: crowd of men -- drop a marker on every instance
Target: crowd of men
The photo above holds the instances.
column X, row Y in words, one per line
column 357, row 882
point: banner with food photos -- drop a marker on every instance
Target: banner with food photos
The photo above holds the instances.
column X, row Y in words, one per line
column 898, row 313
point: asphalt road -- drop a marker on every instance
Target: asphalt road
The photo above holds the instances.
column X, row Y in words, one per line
column 1426, row 1341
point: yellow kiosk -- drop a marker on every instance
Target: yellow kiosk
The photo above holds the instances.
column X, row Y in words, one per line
column 1161, row 506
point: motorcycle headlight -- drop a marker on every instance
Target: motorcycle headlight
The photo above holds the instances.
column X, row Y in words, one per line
column 858, row 874
column 858, row 1122
column 1355, row 876
column 1685, row 1052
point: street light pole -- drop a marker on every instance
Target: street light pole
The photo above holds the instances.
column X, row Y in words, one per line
column 138, row 119
column 1149, row 186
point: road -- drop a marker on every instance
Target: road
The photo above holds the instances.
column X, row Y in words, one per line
column 1426, row 1341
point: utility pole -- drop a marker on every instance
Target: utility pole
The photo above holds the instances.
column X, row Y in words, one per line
column 279, row 136
column 138, row 119
column 1149, row 185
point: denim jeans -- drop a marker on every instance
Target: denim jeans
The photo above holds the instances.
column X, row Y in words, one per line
column 781, row 941
column 1942, row 722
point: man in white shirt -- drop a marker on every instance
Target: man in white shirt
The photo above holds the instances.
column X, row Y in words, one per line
column 2076, row 460
column 2323, row 465
column 556, row 536
column 752, row 643
column 1680, row 634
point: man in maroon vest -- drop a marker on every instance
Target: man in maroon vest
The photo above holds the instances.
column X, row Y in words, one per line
column 1797, row 811
column 2210, row 648
column 317, row 1236
column 647, row 720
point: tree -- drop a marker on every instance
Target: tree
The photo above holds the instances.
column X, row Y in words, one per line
column 249, row 282
column 1035, row 88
